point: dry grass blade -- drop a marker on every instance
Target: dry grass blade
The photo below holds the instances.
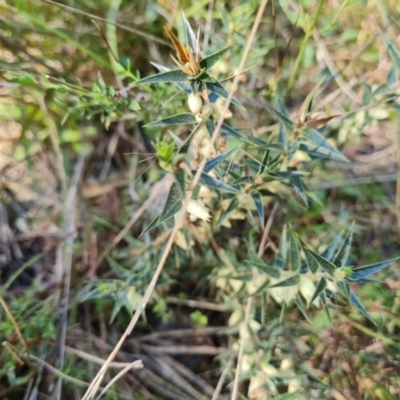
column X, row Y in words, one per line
column 189, row 375
column 134, row 365
column 117, row 24
column 216, row 394
column 168, row 371
column 185, row 350
column 69, row 233
column 13, row 321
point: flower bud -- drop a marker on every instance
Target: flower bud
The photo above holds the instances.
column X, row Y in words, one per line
column 197, row 209
column 195, row 103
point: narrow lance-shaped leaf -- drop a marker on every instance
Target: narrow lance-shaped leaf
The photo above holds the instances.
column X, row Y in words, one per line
column 173, row 76
column 243, row 181
column 333, row 245
column 342, row 255
column 176, row 139
column 190, row 36
column 367, row 270
column 299, row 196
column 280, row 259
column 392, row 51
column 292, row 281
column 185, row 145
column 289, row 147
column 212, row 59
column 294, row 254
column 331, row 152
column 210, row 125
column 311, row 262
column 326, row 265
column 230, row 131
column 231, row 207
column 300, row 304
column 286, row 123
column 177, row 119
column 344, row 287
column 260, row 289
column 319, row 289
column 357, row 303
column 264, row 163
column 213, row 183
column 326, row 307
column 305, row 108
column 216, row 160
column 271, row 271
column 219, row 89
column 180, row 182
column 172, row 205
column 257, row 198
column 182, row 85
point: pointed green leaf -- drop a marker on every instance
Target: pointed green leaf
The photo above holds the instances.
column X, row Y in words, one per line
column 392, row 51
column 230, row 131
column 213, row 183
column 216, row 160
column 152, row 225
column 357, row 303
column 283, row 137
column 185, row 145
column 262, row 144
column 326, row 265
column 392, row 76
column 322, row 144
column 292, row 281
column 333, row 245
column 311, row 262
column 175, row 138
column 264, row 163
column 243, row 181
column 326, row 307
column 177, row 119
column 319, row 289
column 260, row 289
column 367, row 270
column 173, row 76
column 172, row 206
column 182, row 85
column 305, row 108
column 286, row 123
column 298, row 194
column 190, row 36
column 271, row 271
column 210, row 125
column 212, row 59
column 180, row 182
column 280, row 259
column 294, row 255
column 219, row 89
column 299, row 302
column 344, row 287
column 257, row 198
column 231, row 207
column 342, row 255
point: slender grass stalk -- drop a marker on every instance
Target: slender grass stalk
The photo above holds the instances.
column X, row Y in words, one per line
column 300, row 56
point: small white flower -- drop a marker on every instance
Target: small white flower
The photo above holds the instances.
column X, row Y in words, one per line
column 198, row 210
